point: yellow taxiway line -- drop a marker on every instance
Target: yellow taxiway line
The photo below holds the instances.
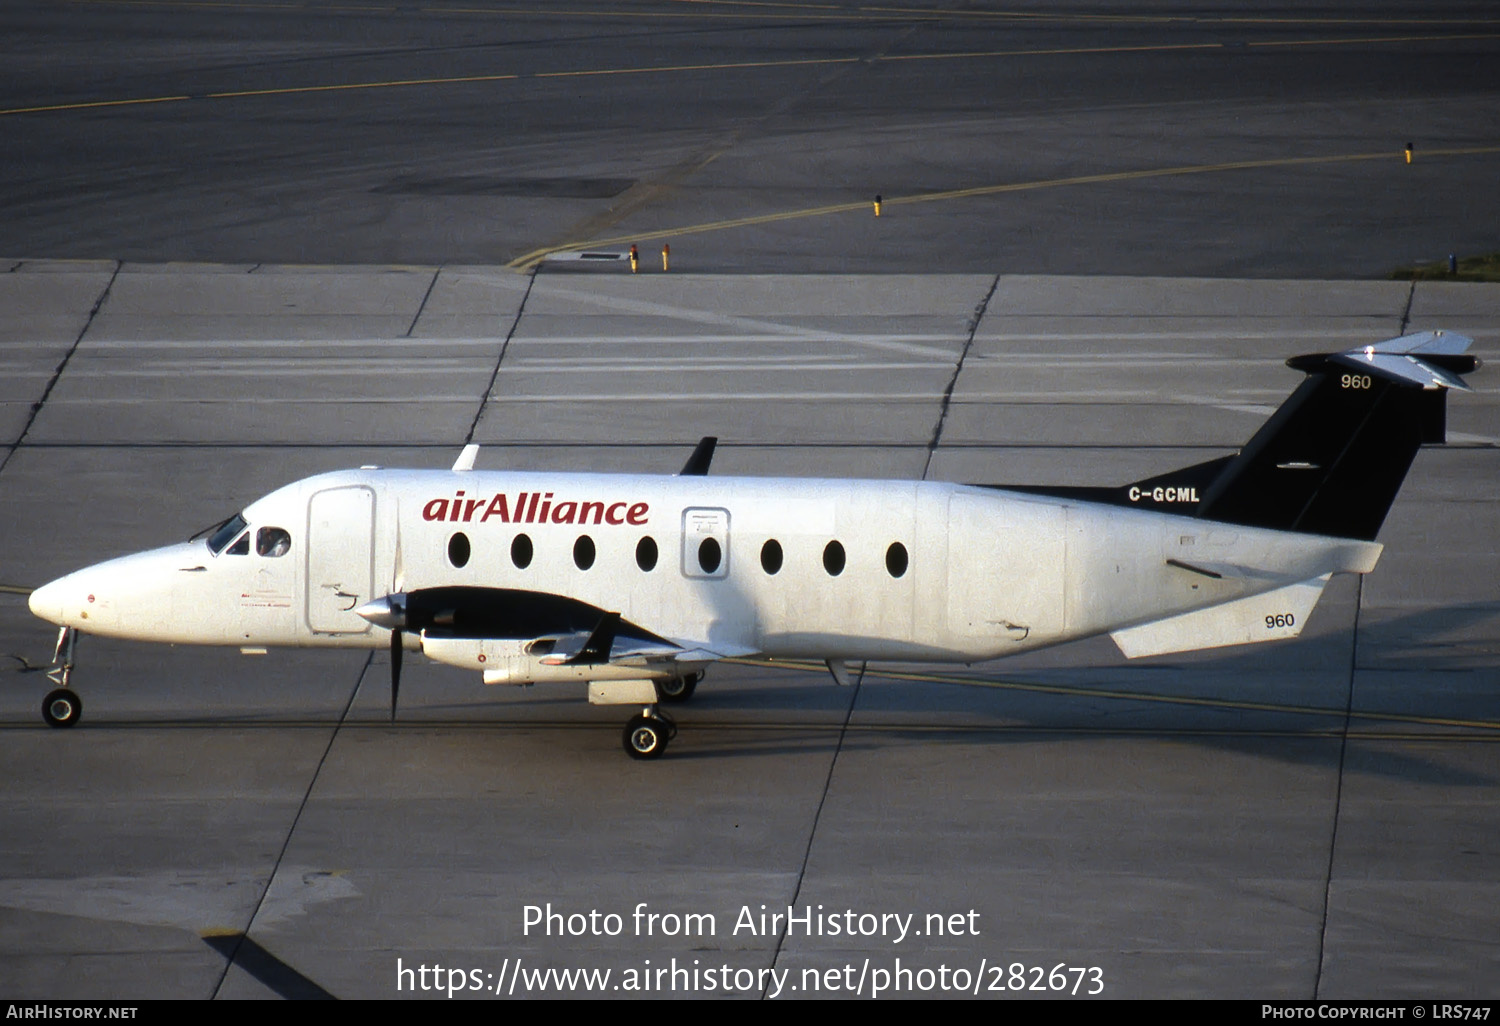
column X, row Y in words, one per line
column 537, row 255
column 1078, row 691
column 739, row 10
column 731, row 66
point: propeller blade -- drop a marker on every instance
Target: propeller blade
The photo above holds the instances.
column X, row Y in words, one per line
column 398, row 564
column 395, row 670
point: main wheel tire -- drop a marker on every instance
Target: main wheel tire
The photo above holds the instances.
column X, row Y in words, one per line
column 678, row 689
column 61, row 708
column 645, row 737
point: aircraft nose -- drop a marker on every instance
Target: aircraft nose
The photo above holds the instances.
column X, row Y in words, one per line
column 74, row 601
column 47, row 601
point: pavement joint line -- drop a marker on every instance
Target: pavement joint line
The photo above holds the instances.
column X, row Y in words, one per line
column 489, row 389
column 1411, row 295
column 1084, row 691
column 958, row 367
column 36, row 407
column 292, row 829
column 1338, row 790
column 812, row 832
column 536, row 256
column 423, row 304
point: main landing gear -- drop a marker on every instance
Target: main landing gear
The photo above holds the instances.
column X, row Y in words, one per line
column 678, row 689
column 62, row 707
column 647, row 734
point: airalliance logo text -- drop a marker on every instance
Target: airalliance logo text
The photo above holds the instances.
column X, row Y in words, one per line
column 533, row 508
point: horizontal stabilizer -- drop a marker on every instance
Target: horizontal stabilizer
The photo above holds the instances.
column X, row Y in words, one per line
column 1269, row 616
column 1408, row 369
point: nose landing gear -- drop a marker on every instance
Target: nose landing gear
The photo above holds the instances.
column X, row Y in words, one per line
column 62, row 707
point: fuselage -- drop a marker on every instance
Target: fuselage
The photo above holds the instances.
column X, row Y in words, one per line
column 781, row 567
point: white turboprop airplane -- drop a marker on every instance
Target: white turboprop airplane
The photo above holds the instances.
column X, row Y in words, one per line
column 634, row 584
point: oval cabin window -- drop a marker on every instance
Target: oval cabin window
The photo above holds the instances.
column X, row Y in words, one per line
column 646, row 554
column 710, row 555
column 833, row 558
column 520, row 551
column 583, row 552
column 770, row 557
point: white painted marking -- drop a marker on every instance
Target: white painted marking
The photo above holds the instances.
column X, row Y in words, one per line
column 658, row 367
column 617, row 305
column 337, row 400
column 656, row 397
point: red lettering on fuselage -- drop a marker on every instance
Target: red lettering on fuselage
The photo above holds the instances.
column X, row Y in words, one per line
column 497, row 508
column 534, row 508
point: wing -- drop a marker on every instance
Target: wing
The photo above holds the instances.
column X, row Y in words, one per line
column 524, row 637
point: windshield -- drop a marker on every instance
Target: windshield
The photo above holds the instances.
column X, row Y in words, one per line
column 222, row 533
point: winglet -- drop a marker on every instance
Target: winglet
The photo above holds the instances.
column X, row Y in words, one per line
column 465, row 459
column 703, row 454
column 596, row 649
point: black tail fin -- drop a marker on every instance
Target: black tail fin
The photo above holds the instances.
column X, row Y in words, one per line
column 1332, row 458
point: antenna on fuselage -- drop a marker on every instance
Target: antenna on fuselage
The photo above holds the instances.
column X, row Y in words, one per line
column 465, row 459
column 703, row 454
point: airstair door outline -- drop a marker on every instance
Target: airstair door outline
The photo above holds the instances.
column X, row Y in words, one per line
column 340, row 558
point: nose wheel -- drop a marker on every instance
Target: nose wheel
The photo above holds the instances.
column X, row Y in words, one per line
column 62, row 707
column 648, row 733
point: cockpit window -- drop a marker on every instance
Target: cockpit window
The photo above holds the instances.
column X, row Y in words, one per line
column 241, row 547
column 221, row 534
column 272, row 541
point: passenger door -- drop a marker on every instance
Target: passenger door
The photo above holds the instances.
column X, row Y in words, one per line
column 340, row 558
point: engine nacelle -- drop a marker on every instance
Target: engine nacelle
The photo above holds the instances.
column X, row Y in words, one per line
column 508, row 661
